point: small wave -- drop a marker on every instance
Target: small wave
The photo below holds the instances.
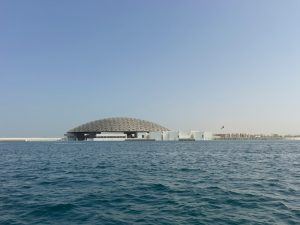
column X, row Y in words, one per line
column 159, row 187
column 48, row 209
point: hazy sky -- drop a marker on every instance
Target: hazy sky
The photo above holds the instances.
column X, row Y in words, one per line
column 183, row 64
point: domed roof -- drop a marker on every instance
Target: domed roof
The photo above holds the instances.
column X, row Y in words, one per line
column 118, row 124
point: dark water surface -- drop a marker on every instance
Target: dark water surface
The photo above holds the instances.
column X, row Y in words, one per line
column 150, row 183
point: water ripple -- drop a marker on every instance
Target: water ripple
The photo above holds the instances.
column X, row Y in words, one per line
column 150, row 183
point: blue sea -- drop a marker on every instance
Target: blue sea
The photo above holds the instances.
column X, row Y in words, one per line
column 209, row 182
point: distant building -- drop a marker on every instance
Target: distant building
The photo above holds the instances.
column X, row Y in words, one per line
column 125, row 129
column 156, row 135
column 245, row 136
column 114, row 129
column 171, row 135
column 34, row 139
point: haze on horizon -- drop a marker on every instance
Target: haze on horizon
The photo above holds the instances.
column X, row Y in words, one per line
column 183, row 64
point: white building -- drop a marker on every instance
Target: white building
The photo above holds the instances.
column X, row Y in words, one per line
column 156, row 135
column 201, row 136
column 142, row 135
column 171, row 135
column 197, row 135
column 29, row 139
column 109, row 136
column 185, row 135
column 207, row 136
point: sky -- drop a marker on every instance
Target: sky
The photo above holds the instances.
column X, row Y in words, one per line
column 191, row 64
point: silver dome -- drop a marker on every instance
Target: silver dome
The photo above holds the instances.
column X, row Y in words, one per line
column 118, row 124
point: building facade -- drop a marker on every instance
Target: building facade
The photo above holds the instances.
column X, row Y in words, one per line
column 125, row 129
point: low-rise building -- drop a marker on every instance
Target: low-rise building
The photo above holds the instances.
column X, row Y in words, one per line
column 121, row 129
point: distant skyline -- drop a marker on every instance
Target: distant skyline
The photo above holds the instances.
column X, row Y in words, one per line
column 186, row 65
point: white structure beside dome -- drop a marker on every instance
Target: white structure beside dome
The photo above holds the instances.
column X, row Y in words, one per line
column 156, row 136
column 171, row 135
column 201, row 136
column 153, row 136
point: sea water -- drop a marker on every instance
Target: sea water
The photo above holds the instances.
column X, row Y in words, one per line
column 208, row 182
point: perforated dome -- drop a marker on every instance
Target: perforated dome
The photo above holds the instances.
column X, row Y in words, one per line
column 118, row 124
